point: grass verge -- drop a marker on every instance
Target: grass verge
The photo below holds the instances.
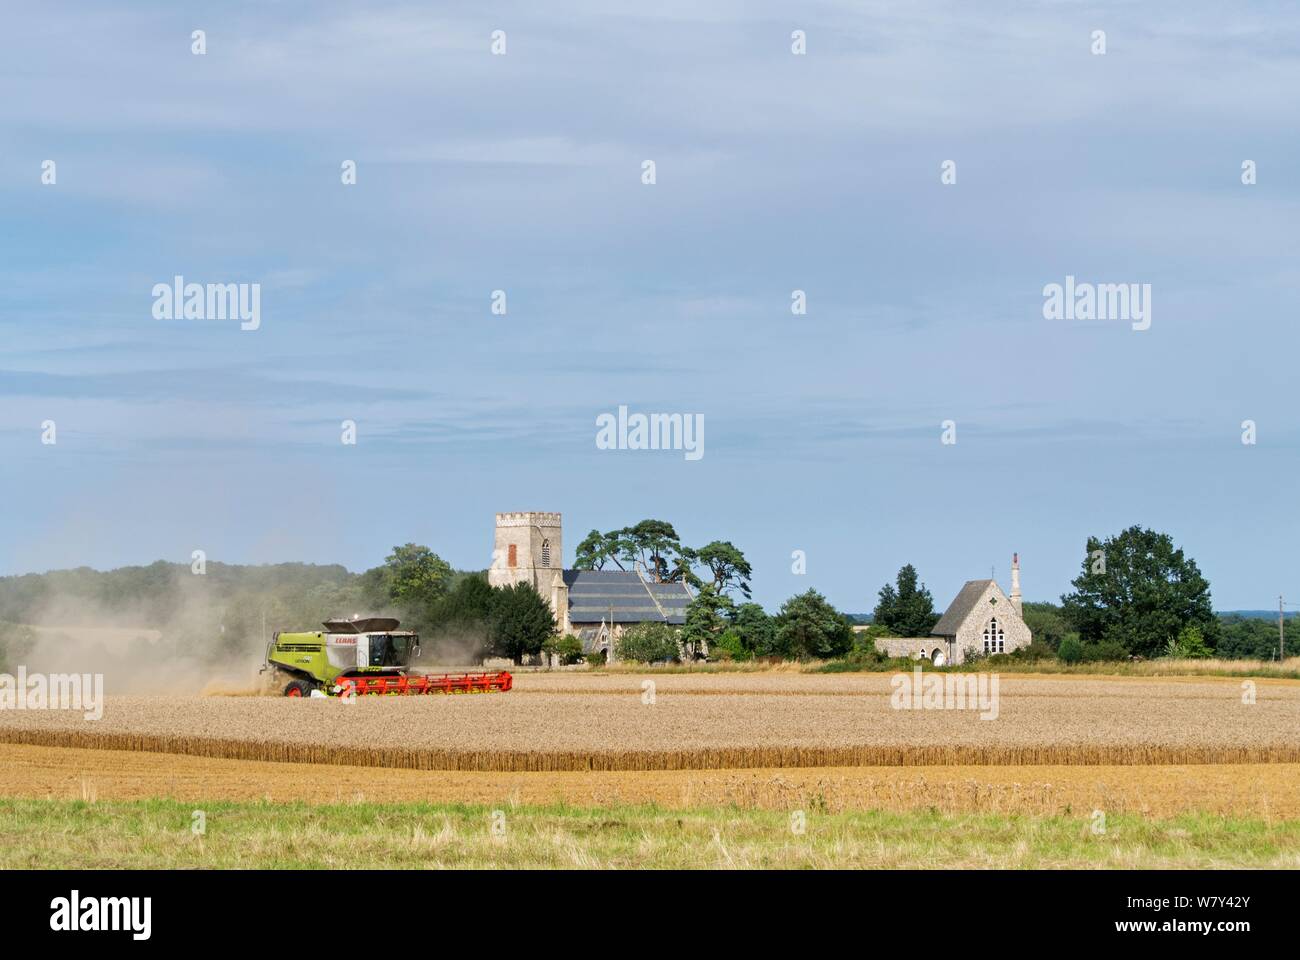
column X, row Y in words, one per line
column 259, row 835
column 1008, row 664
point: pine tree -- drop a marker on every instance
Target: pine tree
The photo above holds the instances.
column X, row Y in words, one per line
column 908, row 609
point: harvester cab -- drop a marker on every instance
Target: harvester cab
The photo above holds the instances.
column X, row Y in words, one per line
column 363, row 655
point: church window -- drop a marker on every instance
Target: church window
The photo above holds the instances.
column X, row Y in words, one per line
column 512, row 556
column 546, row 553
column 995, row 638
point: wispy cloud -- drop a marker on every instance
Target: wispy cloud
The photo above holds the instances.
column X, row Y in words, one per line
column 775, row 173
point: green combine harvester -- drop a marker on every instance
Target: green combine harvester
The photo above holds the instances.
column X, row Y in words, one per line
column 362, row 656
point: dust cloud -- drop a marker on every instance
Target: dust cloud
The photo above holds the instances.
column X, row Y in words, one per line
column 186, row 642
column 189, row 649
column 447, row 647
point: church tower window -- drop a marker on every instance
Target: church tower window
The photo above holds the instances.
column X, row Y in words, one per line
column 512, row 556
column 546, row 553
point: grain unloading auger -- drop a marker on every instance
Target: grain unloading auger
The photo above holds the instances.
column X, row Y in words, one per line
column 364, row 656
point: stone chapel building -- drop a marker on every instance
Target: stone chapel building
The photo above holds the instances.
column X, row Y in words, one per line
column 980, row 619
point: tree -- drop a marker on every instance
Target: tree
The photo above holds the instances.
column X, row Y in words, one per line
column 375, row 588
column 1250, row 638
column 1189, row 645
column 649, row 642
column 729, row 646
column 727, row 565
column 808, row 627
column 469, row 602
column 596, row 550
column 864, row 644
column 1139, row 592
column 908, row 610
column 1046, row 622
column 755, row 628
column 656, row 547
column 1070, row 650
column 655, row 544
column 416, row 574
column 521, row 621
column 567, row 648
column 705, row 619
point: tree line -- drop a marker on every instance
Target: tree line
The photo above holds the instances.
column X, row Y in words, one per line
column 1137, row 595
column 722, row 622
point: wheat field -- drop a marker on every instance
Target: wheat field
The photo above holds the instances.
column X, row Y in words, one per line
column 1266, row 791
column 576, row 722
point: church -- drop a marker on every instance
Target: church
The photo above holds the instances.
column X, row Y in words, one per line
column 598, row 605
column 981, row 619
column 594, row 605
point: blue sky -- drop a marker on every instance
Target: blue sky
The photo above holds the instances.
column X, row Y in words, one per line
column 774, row 173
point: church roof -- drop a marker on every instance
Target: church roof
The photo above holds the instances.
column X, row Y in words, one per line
column 596, row 594
column 960, row 608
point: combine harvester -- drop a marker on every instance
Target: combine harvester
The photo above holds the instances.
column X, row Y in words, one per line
column 363, row 656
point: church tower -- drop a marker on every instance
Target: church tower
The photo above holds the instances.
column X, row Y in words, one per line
column 1015, row 584
column 530, row 549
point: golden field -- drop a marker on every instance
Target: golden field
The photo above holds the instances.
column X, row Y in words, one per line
column 1266, row 791
column 603, row 722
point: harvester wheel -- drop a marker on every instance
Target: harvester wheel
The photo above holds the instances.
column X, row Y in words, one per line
column 298, row 688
